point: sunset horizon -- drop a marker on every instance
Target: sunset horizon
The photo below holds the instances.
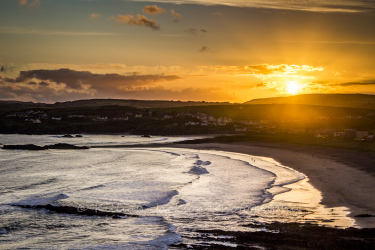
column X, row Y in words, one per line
column 230, row 51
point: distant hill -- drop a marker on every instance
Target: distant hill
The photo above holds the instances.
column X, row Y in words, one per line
column 330, row 100
column 132, row 103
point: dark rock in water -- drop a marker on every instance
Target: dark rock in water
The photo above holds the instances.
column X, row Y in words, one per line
column 65, row 146
column 79, row 136
column 24, row 147
column 77, row 211
column 147, row 136
column 364, row 215
column 35, row 147
column 67, row 136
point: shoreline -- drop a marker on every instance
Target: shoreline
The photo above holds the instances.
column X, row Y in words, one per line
column 342, row 178
column 345, row 178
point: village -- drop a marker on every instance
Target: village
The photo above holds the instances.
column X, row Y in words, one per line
column 192, row 120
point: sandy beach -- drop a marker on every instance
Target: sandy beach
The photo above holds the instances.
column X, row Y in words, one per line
column 345, row 178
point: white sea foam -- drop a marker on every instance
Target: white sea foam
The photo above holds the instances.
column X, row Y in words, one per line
column 40, row 200
column 180, row 186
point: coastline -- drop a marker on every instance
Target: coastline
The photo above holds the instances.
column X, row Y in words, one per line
column 344, row 178
column 341, row 180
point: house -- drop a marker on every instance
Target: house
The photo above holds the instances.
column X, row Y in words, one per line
column 138, row 115
column 168, row 116
column 56, row 118
column 240, row 130
column 338, row 134
column 33, row 120
column 190, row 123
column 359, row 135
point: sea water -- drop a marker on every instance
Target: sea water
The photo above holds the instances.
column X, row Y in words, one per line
column 173, row 191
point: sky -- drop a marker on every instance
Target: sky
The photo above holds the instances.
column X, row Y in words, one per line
column 197, row 50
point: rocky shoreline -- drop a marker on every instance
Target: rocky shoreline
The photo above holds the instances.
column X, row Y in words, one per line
column 283, row 236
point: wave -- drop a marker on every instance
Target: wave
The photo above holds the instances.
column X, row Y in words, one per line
column 35, row 201
column 165, row 241
column 49, row 181
column 163, row 200
column 93, row 187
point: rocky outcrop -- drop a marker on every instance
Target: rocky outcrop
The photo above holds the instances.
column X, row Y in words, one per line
column 24, row 147
column 78, row 211
column 65, row 146
column 35, row 147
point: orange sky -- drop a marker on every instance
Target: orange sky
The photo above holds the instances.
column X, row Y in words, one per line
column 232, row 51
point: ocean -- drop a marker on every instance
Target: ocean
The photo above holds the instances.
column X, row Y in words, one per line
column 170, row 193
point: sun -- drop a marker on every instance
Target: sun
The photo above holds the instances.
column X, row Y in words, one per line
column 293, row 88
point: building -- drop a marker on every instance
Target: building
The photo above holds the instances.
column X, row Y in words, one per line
column 359, row 135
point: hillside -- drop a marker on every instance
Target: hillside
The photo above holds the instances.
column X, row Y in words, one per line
column 131, row 103
column 331, row 100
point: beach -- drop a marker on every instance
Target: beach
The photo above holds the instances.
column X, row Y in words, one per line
column 345, row 178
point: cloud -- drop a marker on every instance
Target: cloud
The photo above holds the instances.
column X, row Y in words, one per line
column 322, row 84
column 301, row 5
column 269, row 69
column 35, row 4
column 347, row 84
column 177, row 16
column 45, row 84
column 66, row 84
column 205, row 49
column 195, row 32
column 103, row 68
column 75, row 79
column 23, row 2
column 153, row 10
column 94, row 16
column 139, row 20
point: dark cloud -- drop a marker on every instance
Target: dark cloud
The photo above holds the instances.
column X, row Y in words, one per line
column 344, row 84
column 77, row 79
column 205, row 49
column 43, row 84
column 153, row 10
column 138, row 20
column 195, row 32
column 347, row 84
column 66, row 84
